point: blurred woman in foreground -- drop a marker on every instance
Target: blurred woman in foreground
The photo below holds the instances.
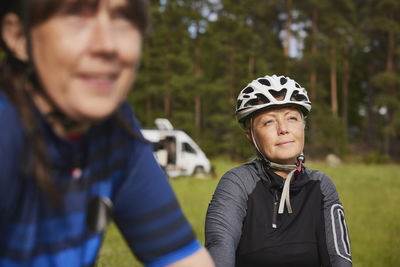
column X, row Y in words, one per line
column 72, row 155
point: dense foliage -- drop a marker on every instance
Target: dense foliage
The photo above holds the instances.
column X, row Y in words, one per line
column 200, row 53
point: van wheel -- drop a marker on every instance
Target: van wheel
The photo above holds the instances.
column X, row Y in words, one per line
column 199, row 172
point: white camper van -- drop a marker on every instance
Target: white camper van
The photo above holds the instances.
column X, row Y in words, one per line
column 176, row 152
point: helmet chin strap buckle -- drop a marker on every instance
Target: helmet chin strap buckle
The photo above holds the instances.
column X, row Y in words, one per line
column 300, row 160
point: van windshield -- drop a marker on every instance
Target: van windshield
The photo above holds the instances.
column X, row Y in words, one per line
column 188, row 148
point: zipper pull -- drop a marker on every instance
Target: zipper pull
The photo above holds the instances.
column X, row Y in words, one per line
column 275, row 211
column 275, row 214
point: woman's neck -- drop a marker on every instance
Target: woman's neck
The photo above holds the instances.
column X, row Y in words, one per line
column 56, row 122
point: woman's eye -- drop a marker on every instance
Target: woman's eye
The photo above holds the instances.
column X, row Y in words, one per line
column 121, row 15
column 268, row 122
column 294, row 118
column 79, row 10
column 124, row 17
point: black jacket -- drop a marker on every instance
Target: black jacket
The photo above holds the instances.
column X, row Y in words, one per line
column 239, row 221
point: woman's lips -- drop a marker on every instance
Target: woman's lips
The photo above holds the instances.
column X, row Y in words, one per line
column 99, row 81
column 284, row 143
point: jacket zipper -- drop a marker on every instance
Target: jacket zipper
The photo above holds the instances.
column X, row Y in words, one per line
column 275, row 211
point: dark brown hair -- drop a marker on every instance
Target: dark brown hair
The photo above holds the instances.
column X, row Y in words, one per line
column 15, row 75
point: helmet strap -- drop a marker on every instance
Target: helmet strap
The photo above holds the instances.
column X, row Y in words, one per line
column 33, row 76
column 292, row 169
column 273, row 165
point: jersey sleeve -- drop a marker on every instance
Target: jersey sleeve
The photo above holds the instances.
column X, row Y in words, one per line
column 224, row 219
column 11, row 145
column 148, row 214
column 336, row 231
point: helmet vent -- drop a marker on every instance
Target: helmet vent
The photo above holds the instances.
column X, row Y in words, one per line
column 297, row 85
column 283, row 81
column 264, row 82
column 278, row 95
column 252, row 102
column 248, row 90
column 298, row 97
column 239, row 103
column 262, row 99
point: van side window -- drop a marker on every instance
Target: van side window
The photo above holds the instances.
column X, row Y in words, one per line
column 188, row 148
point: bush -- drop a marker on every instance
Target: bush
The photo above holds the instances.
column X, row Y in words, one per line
column 325, row 134
column 376, row 157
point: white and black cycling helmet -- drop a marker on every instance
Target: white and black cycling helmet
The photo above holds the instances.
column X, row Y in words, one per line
column 270, row 91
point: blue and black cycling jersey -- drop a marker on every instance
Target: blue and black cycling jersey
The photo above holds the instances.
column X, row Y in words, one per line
column 114, row 166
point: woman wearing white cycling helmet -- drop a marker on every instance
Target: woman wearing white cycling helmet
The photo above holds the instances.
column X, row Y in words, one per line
column 72, row 155
column 274, row 211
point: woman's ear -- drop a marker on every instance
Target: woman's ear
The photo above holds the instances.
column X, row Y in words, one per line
column 248, row 136
column 14, row 36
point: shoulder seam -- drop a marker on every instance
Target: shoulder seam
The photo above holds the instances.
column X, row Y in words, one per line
column 247, row 170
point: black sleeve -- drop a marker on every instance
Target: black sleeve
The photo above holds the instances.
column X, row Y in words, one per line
column 336, row 237
column 225, row 216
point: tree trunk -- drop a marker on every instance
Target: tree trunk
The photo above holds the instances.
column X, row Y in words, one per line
column 288, row 33
column 345, row 88
column 391, row 40
column 313, row 72
column 386, row 135
column 371, row 130
column 167, row 94
column 334, row 104
column 251, row 67
column 232, row 73
column 389, row 90
column 197, row 109
column 197, row 96
column 167, row 104
column 252, row 60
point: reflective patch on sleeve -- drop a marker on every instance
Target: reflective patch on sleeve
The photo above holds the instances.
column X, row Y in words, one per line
column 340, row 232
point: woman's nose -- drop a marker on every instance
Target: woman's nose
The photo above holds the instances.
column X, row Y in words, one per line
column 103, row 39
column 282, row 128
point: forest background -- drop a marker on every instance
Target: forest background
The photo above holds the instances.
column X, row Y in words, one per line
column 198, row 55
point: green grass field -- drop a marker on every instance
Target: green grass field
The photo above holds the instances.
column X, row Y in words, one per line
column 370, row 195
